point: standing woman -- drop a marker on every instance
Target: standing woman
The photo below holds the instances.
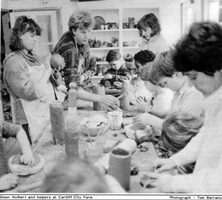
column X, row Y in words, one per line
column 152, row 39
column 27, row 78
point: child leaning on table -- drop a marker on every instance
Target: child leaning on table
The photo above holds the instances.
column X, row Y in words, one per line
column 9, row 181
column 118, row 72
column 178, row 129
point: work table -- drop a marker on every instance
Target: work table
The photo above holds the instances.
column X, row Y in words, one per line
column 53, row 153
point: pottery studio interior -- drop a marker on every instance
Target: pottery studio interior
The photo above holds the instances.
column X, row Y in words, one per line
column 93, row 96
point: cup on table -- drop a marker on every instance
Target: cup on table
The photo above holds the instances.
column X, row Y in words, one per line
column 115, row 119
column 93, row 151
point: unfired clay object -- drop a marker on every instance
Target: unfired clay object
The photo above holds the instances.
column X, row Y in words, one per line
column 140, row 133
column 21, row 169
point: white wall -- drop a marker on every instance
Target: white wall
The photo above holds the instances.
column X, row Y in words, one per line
column 169, row 13
column 67, row 7
column 169, row 10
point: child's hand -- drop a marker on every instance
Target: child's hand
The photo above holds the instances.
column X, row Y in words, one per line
column 27, row 159
column 8, row 181
column 107, row 76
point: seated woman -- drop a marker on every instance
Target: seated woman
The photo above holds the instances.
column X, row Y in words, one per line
column 9, row 181
column 186, row 97
column 118, row 72
column 178, row 129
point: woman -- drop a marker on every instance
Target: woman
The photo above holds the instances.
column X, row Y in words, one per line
column 79, row 61
column 178, row 129
column 198, row 54
column 152, row 39
column 27, row 78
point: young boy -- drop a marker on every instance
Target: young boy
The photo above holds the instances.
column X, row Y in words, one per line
column 118, row 72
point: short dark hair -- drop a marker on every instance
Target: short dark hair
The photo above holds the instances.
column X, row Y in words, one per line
column 149, row 20
column 22, row 25
column 113, row 55
column 144, row 56
column 200, row 49
column 163, row 66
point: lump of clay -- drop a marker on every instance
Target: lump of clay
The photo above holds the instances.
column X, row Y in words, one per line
column 21, row 169
column 146, row 181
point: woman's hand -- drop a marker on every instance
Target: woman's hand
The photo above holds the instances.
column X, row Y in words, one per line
column 28, row 159
column 109, row 100
column 161, row 181
column 164, row 165
column 8, row 181
column 46, row 61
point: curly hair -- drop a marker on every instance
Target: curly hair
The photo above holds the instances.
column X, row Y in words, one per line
column 163, row 66
column 200, row 49
column 22, row 25
column 81, row 19
column 113, row 55
column 178, row 129
column 144, row 56
column 149, row 20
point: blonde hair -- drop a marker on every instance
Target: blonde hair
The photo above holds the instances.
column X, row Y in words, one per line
column 178, row 129
column 74, row 176
column 81, row 19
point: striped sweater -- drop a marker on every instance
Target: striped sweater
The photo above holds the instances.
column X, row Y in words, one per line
column 67, row 48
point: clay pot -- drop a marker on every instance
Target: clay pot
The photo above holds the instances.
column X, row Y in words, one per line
column 119, row 166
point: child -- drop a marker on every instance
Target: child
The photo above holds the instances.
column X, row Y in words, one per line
column 118, row 72
column 8, row 181
column 160, row 101
column 178, row 129
column 186, row 97
column 77, row 176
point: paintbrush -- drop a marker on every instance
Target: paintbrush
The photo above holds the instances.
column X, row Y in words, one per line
column 122, row 95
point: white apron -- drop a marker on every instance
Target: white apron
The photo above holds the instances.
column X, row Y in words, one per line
column 37, row 111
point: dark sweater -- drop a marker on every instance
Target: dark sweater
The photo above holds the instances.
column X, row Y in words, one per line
column 117, row 75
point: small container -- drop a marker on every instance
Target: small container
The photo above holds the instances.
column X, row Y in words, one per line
column 115, row 119
column 119, row 167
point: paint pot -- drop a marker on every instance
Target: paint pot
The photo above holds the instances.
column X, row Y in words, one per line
column 115, row 119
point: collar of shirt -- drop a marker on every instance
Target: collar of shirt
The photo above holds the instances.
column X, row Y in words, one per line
column 183, row 88
column 212, row 100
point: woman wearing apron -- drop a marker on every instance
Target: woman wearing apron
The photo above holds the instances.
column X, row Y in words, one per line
column 27, row 78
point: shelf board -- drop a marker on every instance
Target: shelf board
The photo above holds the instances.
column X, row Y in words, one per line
column 130, row 47
column 103, row 31
column 130, row 29
column 103, row 48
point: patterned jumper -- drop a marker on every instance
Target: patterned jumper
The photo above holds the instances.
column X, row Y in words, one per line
column 71, row 52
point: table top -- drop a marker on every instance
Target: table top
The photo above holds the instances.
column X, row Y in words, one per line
column 53, row 153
